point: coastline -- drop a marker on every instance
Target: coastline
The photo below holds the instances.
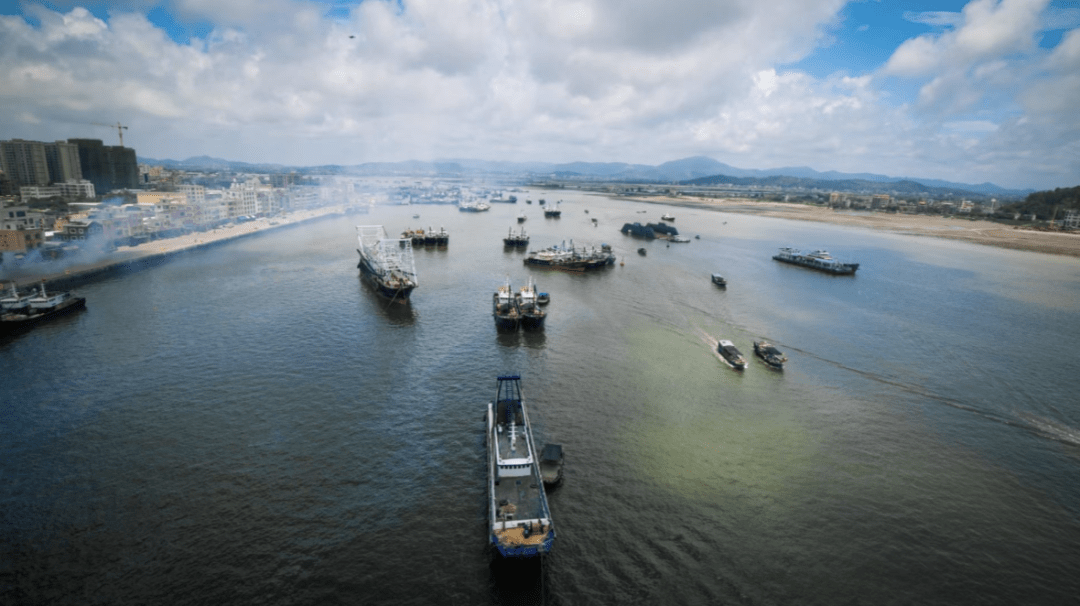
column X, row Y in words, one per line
column 976, row 231
column 61, row 275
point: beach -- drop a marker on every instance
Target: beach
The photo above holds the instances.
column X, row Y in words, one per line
column 975, row 231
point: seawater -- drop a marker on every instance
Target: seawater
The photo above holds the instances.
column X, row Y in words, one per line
column 252, row 424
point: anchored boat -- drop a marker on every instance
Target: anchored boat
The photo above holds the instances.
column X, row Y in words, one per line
column 519, row 520
column 518, row 240
column 572, row 258
column 529, row 305
column 504, row 306
column 386, row 262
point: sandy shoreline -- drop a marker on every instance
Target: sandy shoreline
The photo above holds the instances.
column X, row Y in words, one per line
column 59, row 274
column 977, row 232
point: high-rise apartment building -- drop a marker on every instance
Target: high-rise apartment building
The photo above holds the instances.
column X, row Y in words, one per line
column 63, row 161
column 108, row 167
column 24, row 162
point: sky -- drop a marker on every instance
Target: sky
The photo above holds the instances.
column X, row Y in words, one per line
column 972, row 92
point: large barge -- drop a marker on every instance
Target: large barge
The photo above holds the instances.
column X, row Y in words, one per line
column 386, row 262
column 819, row 259
column 519, row 521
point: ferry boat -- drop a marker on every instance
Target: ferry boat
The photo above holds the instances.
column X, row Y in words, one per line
column 24, row 311
column 504, row 307
column 733, row 356
column 519, row 520
column 769, row 354
column 819, row 259
column 572, row 258
column 529, row 306
column 520, row 239
column 386, row 262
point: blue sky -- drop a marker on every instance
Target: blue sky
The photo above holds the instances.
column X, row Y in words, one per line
column 966, row 91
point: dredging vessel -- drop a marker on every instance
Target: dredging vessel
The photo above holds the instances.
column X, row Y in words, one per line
column 819, row 259
column 519, row 520
column 386, row 262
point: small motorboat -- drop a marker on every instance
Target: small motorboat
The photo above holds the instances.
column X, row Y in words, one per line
column 667, row 217
column 641, row 251
column 719, row 280
column 769, row 354
column 551, row 464
column 542, row 298
column 733, row 356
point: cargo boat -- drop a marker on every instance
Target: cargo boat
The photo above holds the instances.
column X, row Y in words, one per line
column 769, row 354
column 519, row 520
column 386, row 262
column 572, row 258
column 819, row 259
column 23, row 312
column 733, row 356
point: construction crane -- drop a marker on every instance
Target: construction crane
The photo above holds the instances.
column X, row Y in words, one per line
column 120, row 128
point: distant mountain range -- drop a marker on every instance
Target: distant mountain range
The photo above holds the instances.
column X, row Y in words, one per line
column 698, row 170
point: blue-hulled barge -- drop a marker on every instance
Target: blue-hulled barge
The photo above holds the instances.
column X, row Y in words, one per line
column 519, row 520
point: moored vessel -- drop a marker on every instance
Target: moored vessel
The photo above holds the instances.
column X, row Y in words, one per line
column 519, row 240
column 551, row 464
column 769, row 354
column 733, row 356
column 519, row 520
column 386, row 262
column 571, row 258
column 442, row 238
column 532, row 317
column 818, row 259
column 504, row 307
column 20, row 312
column 552, row 211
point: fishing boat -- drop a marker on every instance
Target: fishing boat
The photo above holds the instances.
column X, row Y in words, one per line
column 733, row 356
column 504, row 307
column 552, row 211
column 20, row 312
column 571, row 258
column 387, row 263
column 518, row 240
column 769, row 354
column 819, row 259
column 519, row 520
column 532, row 317
column 719, row 280
column 522, row 217
column 442, row 238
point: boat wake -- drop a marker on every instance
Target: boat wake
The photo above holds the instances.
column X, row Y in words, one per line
column 1031, row 423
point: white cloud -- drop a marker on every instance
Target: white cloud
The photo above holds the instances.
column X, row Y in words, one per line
column 559, row 80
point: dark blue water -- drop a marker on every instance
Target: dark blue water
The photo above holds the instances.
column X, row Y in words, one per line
column 251, row 424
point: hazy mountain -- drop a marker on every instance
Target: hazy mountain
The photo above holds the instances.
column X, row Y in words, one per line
column 676, row 171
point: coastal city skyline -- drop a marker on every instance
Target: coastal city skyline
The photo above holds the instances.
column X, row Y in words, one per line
column 967, row 92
